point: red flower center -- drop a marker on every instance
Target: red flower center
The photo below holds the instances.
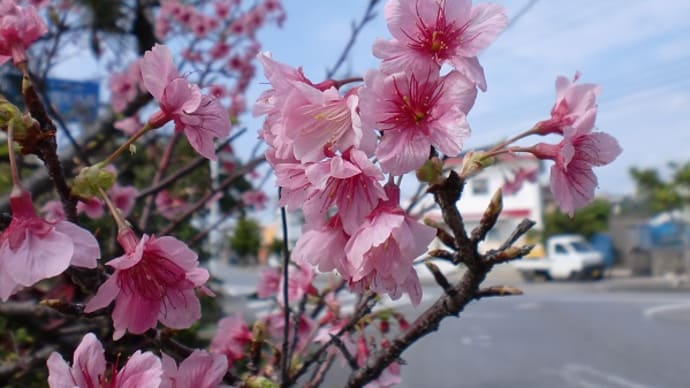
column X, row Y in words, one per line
column 412, row 106
column 438, row 39
column 153, row 277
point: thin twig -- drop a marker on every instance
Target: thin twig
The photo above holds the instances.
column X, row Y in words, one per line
column 285, row 361
column 346, row 353
column 184, row 171
column 522, row 228
column 497, row 291
column 363, row 308
column 8, row 369
column 369, row 15
column 439, row 277
column 446, row 194
column 320, row 372
column 162, row 166
column 203, row 233
column 296, row 320
column 202, row 202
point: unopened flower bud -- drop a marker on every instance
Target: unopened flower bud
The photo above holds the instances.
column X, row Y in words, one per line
column 474, row 162
column 384, row 326
column 402, row 322
column 431, row 171
column 91, row 179
column 8, row 111
column 259, row 382
column 259, row 331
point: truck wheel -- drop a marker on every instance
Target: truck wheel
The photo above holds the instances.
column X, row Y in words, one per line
column 597, row 274
column 528, row 276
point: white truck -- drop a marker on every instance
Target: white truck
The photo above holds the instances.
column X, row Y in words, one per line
column 567, row 257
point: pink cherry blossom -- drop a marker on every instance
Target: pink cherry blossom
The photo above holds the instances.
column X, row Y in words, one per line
column 19, row 28
column 350, row 182
column 201, row 25
column 573, row 101
column 389, row 377
column 168, row 206
column 429, row 33
column 382, row 250
column 307, row 121
column 129, row 126
column 231, row 338
column 53, row 211
column 572, row 179
column 39, row 3
column 269, row 282
column 32, row 249
column 416, row 112
column 305, row 328
column 323, row 335
column 123, row 197
column 300, row 280
column 92, row 207
column 291, row 177
column 217, row 91
column 200, row 370
column 324, row 247
column 125, row 86
column 162, row 25
column 201, row 118
column 255, row 198
column 512, row 186
column 238, row 104
column 142, row 370
column 222, row 9
column 282, row 78
column 317, row 123
column 153, row 281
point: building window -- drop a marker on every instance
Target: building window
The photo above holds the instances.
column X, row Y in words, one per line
column 480, row 186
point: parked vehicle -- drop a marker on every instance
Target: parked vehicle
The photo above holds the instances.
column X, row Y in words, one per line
column 567, row 257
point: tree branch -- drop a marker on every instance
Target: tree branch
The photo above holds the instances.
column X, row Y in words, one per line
column 369, row 15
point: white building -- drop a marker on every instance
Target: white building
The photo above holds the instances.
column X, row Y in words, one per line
column 518, row 176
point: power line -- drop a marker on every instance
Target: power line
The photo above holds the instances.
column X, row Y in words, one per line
column 520, row 14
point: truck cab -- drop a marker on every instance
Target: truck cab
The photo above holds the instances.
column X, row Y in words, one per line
column 567, row 257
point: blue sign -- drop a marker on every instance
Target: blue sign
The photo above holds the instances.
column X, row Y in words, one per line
column 73, row 100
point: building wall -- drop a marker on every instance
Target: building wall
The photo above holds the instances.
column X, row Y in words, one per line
column 525, row 203
column 481, row 188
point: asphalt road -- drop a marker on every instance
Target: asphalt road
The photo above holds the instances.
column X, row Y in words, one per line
column 607, row 334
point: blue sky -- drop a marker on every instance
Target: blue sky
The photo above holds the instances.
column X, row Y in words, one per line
column 637, row 50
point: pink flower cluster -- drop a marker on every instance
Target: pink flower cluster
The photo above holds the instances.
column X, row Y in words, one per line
column 19, row 28
column 572, row 178
column 176, row 17
column 142, row 370
column 299, row 283
column 223, row 40
column 124, row 86
column 323, row 143
column 231, row 338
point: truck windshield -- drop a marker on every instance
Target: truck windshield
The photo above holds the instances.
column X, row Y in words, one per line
column 582, row 246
